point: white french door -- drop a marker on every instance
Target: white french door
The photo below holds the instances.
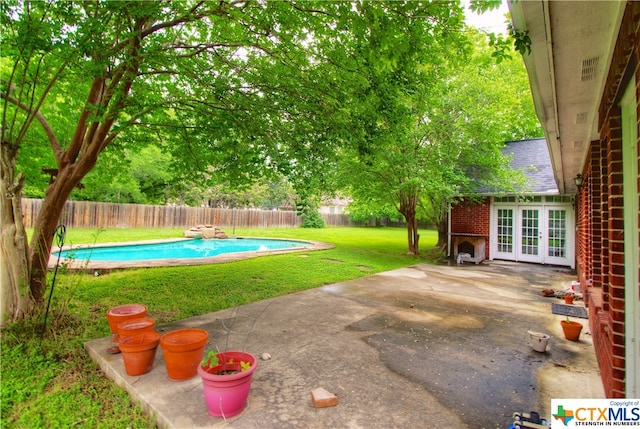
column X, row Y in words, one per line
column 505, row 233
column 533, row 233
column 557, row 239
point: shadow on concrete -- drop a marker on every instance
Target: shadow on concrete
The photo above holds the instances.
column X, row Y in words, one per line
column 423, row 346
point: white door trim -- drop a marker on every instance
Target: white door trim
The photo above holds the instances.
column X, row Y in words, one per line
column 543, row 209
column 631, row 193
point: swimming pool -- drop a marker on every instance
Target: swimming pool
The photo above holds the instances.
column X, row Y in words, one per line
column 176, row 252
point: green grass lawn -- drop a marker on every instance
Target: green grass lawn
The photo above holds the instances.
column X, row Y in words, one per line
column 50, row 381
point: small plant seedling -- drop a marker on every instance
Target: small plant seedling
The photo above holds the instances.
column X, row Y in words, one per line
column 210, row 359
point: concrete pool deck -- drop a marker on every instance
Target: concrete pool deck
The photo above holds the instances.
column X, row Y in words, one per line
column 423, row 346
column 102, row 266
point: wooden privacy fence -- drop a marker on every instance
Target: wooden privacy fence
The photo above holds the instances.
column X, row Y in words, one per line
column 86, row 214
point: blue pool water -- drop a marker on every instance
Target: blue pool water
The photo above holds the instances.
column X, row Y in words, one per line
column 184, row 249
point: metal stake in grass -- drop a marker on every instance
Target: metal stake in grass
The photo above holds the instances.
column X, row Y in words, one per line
column 59, row 234
column 228, row 326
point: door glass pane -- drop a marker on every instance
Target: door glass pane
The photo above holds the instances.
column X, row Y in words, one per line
column 505, row 230
column 530, row 229
column 557, row 233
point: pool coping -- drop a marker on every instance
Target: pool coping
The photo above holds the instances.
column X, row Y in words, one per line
column 97, row 266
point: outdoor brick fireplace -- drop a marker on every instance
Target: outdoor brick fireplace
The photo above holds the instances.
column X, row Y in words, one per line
column 468, row 247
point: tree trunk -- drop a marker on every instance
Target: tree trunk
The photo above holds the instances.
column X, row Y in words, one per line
column 439, row 217
column 16, row 300
column 24, row 265
column 414, row 245
column 407, row 208
column 45, row 227
column 443, row 236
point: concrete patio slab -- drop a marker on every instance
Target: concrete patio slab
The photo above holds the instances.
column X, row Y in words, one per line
column 424, row 346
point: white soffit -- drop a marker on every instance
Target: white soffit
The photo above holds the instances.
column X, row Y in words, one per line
column 572, row 43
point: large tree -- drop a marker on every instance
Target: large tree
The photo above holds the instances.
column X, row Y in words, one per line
column 400, row 69
column 136, row 63
column 440, row 134
column 479, row 105
column 232, row 89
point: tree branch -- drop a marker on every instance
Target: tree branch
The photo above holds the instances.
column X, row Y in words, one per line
column 41, row 119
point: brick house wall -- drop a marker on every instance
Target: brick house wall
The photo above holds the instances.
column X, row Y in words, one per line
column 584, row 226
column 472, row 219
column 600, row 236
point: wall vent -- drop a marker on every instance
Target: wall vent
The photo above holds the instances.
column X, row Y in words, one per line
column 581, row 118
column 589, row 67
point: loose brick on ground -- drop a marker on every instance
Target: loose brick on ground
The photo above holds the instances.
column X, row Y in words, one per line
column 322, row 398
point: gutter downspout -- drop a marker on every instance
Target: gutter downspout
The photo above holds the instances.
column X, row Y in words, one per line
column 548, row 117
column 552, row 72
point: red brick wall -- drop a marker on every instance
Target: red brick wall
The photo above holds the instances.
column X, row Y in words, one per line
column 600, row 219
column 587, row 212
column 585, row 217
column 472, row 218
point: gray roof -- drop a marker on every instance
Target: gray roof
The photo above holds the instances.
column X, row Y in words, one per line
column 532, row 157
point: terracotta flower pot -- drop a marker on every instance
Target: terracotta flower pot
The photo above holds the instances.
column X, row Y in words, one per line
column 135, row 326
column 568, row 298
column 183, row 350
column 119, row 314
column 571, row 330
column 226, row 394
column 139, row 351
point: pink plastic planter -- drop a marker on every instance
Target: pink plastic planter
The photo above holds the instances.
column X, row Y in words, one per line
column 226, row 395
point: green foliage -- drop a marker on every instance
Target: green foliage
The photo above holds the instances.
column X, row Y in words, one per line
column 503, row 46
column 449, row 144
column 247, row 281
column 52, row 382
column 220, row 94
column 312, row 219
column 210, row 359
column 364, row 211
column 386, row 164
column 230, row 91
column 307, row 209
column 272, row 195
column 481, row 6
column 521, row 40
